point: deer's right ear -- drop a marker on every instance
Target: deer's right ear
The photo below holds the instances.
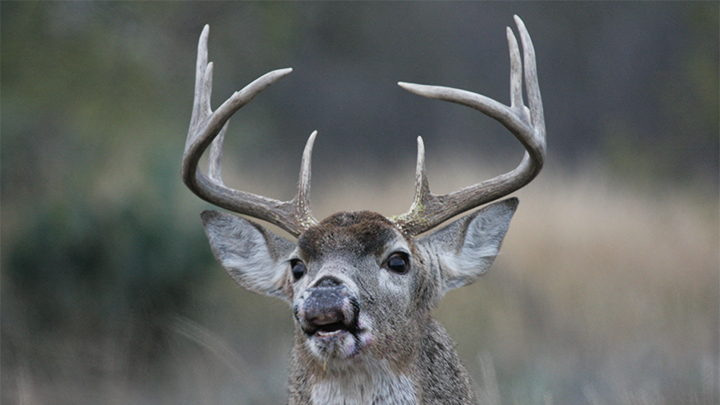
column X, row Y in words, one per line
column 253, row 256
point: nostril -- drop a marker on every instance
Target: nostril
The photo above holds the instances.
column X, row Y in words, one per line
column 328, row 281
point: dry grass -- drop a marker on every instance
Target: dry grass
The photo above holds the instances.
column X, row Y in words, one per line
column 602, row 295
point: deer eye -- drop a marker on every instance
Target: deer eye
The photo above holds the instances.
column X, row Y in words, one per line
column 298, row 269
column 398, row 263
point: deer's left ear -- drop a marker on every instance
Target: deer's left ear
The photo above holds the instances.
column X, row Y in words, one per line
column 467, row 247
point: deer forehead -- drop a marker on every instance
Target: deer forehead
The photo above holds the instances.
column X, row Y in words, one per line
column 361, row 233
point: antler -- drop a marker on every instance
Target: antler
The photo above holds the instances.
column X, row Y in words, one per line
column 207, row 126
column 528, row 125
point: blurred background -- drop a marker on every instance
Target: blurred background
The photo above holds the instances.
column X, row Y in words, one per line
column 607, row 288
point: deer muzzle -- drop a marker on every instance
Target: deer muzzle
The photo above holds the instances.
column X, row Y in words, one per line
column 327, row 311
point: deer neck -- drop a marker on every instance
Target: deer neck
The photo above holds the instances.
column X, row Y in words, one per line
column 375, row 383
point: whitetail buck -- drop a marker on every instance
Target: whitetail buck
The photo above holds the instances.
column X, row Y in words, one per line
column 363, row 286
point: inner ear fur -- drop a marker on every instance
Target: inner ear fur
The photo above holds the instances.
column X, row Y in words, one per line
column 253, row 256
column 467, row 247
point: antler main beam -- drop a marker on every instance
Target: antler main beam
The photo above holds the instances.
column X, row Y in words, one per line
column 526, row 123
column 207, row 126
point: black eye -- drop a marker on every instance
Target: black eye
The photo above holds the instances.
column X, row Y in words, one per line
column 298, row 269
column 398, row 263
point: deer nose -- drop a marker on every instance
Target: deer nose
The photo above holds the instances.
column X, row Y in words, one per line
column 328, row 281
column 327, row 308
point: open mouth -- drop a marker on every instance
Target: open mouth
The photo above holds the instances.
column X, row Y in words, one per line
column 330, row 330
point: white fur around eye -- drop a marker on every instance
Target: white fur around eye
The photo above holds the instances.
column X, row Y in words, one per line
column 393, row 283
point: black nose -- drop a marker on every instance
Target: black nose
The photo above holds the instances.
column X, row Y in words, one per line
column 328, row 307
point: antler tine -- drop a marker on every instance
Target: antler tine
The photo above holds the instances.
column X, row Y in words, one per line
column 526, row 124
column 422, row 186
column 303, row 194
column 208, row 127
column 532, row 87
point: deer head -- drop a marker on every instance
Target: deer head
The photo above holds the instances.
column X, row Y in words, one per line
column 362, row 285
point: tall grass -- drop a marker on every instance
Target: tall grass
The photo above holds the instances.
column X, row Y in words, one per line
column 602, row 294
